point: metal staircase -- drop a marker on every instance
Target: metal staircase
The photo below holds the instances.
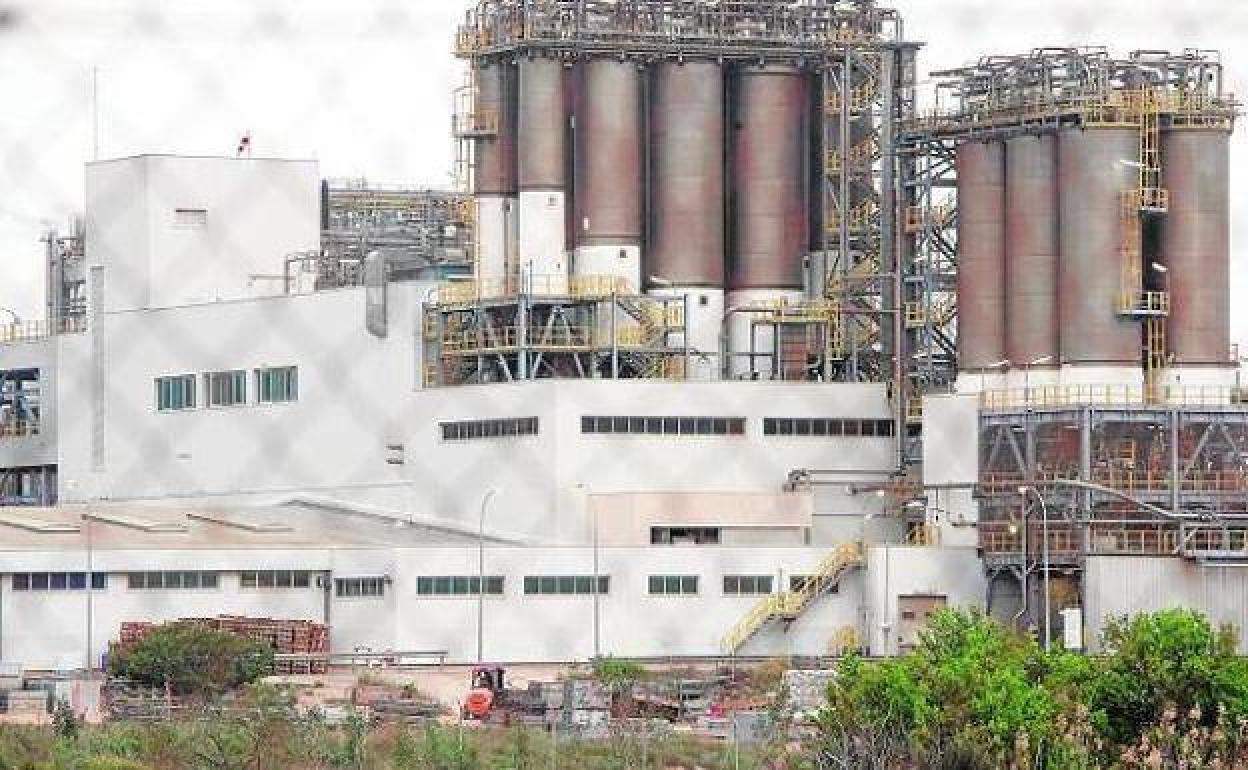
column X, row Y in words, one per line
column 788, row 606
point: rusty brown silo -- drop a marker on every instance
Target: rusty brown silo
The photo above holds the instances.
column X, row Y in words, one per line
column 1195, row 245
column 1031, row 245
column 981, row 247
column 495, row 155
column 610, row 129
column 542, row 120
column 687, row 174
column 769, row 215
column 1096, row 166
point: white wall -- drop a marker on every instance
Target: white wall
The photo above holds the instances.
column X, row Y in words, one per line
column 48, row 629
column 1128, row 585
column 955, row 573
column 255, row 212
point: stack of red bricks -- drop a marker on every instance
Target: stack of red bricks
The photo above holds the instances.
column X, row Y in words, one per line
column 286, row 637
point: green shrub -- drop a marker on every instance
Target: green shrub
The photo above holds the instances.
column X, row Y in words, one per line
column 191, row 659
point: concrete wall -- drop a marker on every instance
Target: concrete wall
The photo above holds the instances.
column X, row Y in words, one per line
column 49, row 629
column 954, row 573
column 173, row 231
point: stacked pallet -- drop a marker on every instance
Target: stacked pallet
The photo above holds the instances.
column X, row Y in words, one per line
column 285, row 637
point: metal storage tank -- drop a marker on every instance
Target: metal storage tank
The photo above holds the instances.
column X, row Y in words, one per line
column 687, row 174
column 981, row 247
column 1095, row 167
column 609, row 185
column 495, row 177
column 542, row 175
column 495, row 161
column 769, row 191
column 1195, row 245
column 1031, row 245
column 542, row 121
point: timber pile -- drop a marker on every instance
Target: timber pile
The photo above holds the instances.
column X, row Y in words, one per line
column 286, row 637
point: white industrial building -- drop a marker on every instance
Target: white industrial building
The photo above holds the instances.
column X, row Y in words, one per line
column 673, row 411
column 173, row 449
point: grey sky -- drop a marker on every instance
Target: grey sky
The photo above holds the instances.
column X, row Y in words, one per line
column 364, row 86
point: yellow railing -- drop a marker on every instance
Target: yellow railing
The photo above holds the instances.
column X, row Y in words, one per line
column 509, row 337
column 29, row 331
column 19, row 428
column 480, row 122
column 1122, row 481
column 1152, row 302
column 576, row 286
column 1105, row 395
column 789, row 605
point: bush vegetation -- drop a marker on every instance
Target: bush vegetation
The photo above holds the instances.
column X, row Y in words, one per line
column 192, row 660
column 1169, row 691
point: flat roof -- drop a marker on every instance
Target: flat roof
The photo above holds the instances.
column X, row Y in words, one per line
column 297, row 524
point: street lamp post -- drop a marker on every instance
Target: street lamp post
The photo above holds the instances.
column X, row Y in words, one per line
column 1044, row 559
column 485, row 502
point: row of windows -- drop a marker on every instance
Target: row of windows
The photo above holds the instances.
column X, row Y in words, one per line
column 274, row 385
column 811, row 426
column 468, row 430
column 172, row 580
column 274, row 578
column 360, row 586
column 735, row 426
column 565, row 585
column 58, row 581
column 459, row 585
column 666, row 426
column 673, row 585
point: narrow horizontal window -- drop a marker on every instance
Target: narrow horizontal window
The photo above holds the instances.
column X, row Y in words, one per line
column 747, row 585
column 565, row 585
column 510, row 427
column 371, row 587
column 820, row 427
column 664, row 426
column 673, row 585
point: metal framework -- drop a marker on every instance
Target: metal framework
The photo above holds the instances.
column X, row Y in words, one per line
column 1040, row 91
column 418, row 233
column 866, row 78
column 597, row 328
column 1154, row 481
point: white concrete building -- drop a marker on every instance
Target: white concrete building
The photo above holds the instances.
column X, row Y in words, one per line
column 251, row 449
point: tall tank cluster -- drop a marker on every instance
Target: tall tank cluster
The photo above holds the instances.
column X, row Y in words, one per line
column 1093, row 224
column 677, row 177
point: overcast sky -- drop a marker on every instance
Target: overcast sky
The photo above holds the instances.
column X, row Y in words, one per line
column 364, row 86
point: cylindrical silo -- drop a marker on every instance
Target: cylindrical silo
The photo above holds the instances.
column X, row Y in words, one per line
column 687, row 175
column 542, row 175
column 981, row 267
column 1195, row 249
column 768, row 194
column 1031, row 259
column 686, row 245
column 494, row 175
column 1099, row 344
column 609, row 153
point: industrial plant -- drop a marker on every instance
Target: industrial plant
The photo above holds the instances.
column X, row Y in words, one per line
column 732, row 342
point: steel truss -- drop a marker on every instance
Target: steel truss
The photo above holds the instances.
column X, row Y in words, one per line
column 527, row 336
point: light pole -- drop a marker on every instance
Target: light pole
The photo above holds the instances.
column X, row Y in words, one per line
column 1044, row 558
column 485, row 502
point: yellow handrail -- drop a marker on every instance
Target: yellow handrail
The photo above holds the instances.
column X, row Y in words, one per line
column 789, row 605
